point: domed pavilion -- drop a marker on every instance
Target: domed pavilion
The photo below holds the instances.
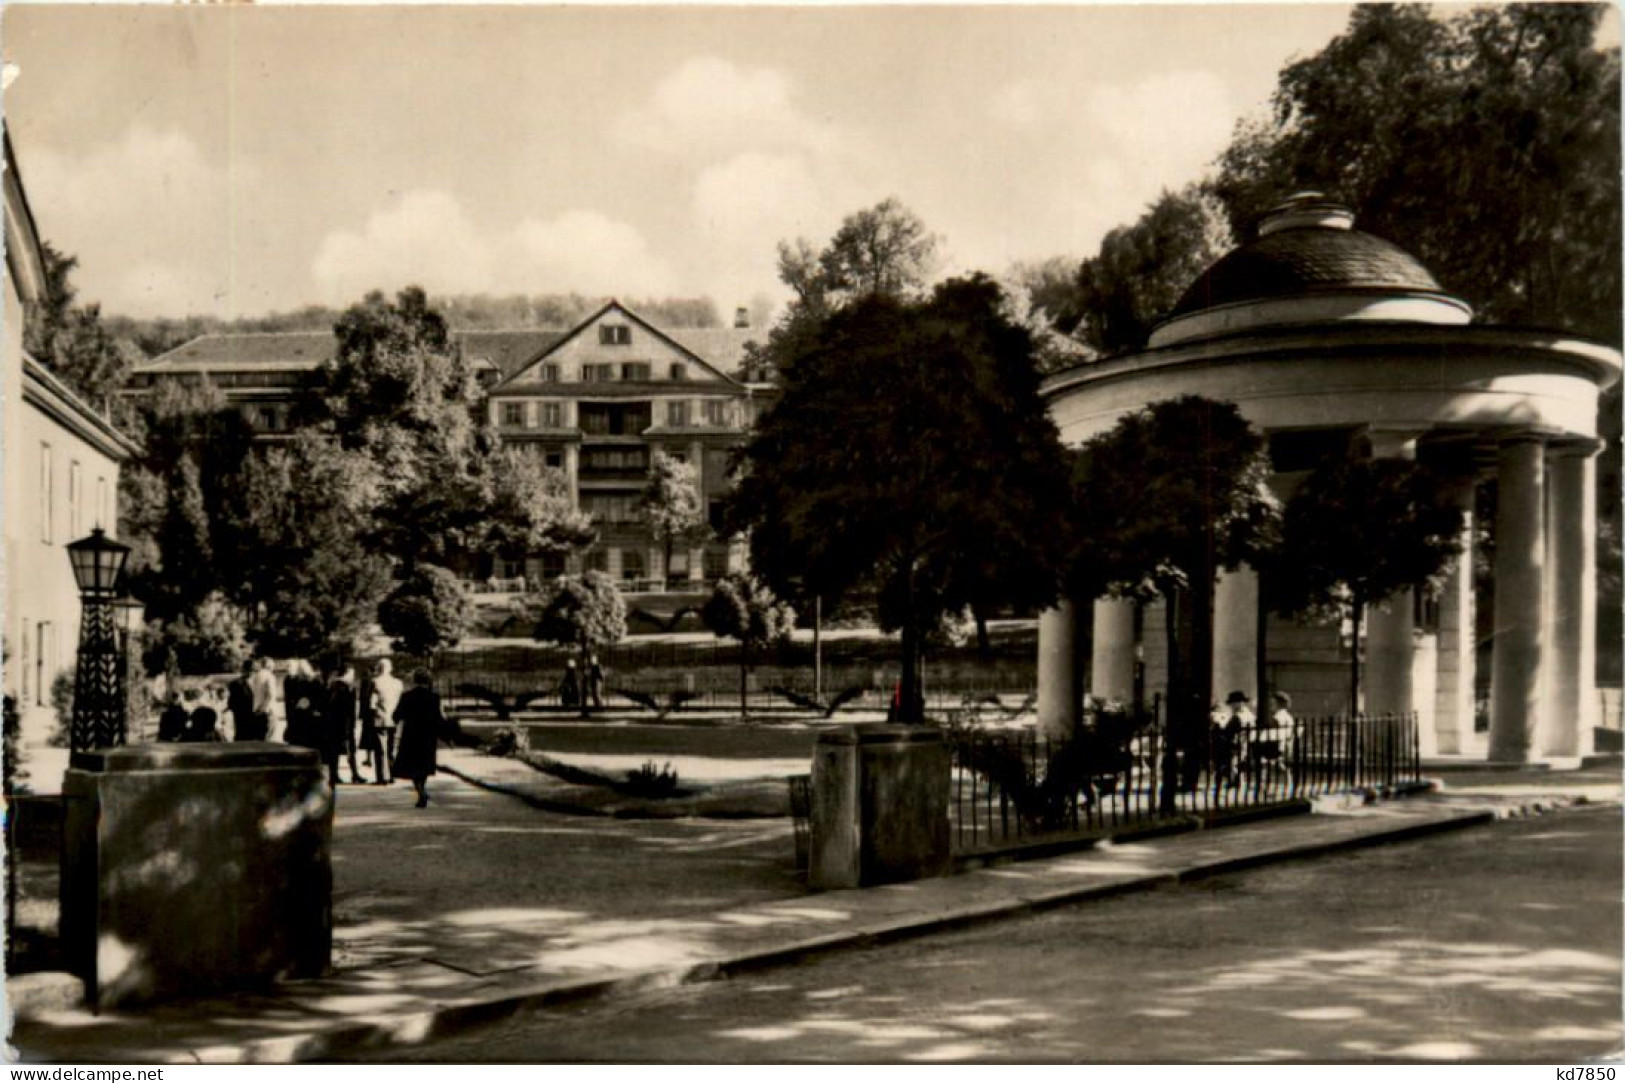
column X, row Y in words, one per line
column 1323, row 335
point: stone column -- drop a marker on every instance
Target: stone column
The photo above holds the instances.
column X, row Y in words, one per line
column 1235, row 633
column 1453, row 703
column 1390, row 638
column 1520, row 556
column 1572, row 666
column 1058, row 688
column 1112, row 655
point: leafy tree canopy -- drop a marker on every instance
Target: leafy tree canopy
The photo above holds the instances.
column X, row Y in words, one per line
column 428, row 611
column 670, row 504
column 742, row 607
column 1521, row 214
column 909, row 449
column 1171, row 494
column 72, row 340
column 1359, row 530
column 583, row 611
column 1142, row 270
column 313, row 587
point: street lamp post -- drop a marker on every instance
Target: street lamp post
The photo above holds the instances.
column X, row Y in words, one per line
column 98, row 687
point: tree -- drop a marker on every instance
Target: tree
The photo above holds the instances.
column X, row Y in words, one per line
column 1527, row 104
column 1168, row 496
column 1142, row 270
column 906, row 435
column 1358, row 531
column 742, row 607
column 428, row 611
column 399, row 393
column 530, row 508
column 671, row 504
column 71, row 340
column 207, row 638
column 314, row 586
column 582, row 611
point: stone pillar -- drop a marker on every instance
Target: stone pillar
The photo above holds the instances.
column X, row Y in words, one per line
column 1112, row 656
column 1390, row 638
column 1516, row 703
column 1456, row 665
column 190, row 868
column 1235, row 634
column 1572, row 665
column 1058, row 687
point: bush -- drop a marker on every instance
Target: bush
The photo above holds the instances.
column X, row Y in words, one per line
column 62, row 704
column 428, row 611
column 210, row 639
column 15, row 776
column 649, row 781
column 506, row 742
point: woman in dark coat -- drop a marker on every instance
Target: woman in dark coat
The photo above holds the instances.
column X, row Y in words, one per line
column 420, row 720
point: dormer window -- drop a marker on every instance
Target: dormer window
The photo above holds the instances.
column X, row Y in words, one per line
column 679, row 371
column 614, row 334
column 634, row 370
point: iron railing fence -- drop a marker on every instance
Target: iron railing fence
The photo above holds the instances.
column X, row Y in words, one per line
column 769, row 688
column 1013, row 788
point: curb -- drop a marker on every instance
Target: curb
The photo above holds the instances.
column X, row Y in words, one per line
column 440, row 1022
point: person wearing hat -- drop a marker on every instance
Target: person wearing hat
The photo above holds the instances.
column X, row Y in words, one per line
column 1238, row 716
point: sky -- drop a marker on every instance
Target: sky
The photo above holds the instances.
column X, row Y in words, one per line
column 232, row 161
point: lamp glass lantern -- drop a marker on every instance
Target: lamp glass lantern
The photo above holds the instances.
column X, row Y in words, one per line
column 98, row 563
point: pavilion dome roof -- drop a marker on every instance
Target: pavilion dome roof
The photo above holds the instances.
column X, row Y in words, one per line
column 1308, row 264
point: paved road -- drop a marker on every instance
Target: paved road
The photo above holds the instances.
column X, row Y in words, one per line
column 1498, row 943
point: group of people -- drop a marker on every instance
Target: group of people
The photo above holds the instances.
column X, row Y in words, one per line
column 578, row 690
column 1237, row 737
column 395, row 729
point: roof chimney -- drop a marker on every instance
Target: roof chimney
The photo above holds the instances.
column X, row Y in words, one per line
column 741, row 316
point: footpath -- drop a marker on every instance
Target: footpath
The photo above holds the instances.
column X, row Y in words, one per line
column 483, row 905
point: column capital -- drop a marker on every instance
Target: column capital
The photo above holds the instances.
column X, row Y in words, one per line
column 1393, row 443
column 1582, row 447
column 1511, row 437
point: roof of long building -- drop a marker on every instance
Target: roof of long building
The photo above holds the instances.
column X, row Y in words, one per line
column 506, row 350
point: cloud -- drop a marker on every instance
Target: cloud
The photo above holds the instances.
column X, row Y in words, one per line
column 584, row 251
column 1164, row 129
column 1018, row 105
column 138, row 209
column 425, row 237
column 710, row 107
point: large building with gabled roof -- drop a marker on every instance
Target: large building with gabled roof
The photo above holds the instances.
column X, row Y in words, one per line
column 595, row 401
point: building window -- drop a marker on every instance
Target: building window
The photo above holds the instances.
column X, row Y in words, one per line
column 553, row 459
column 44, row 661
column 552, row 566
column 679, row 564
column 104, row 510
column 597, row 560
column 550, row 372
column 75, row 496
column 634, row 460
column 677, row 415
column 47, row 499
column 714, row 515
column 598, row 374
column 635, row 370
column 614, row 334
column 632, row 567
column 716, row 563
column 716, row 412
column 513, row 414
column 679, row 371
column 611, row 507
column 552, row 415
column 269, row 420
